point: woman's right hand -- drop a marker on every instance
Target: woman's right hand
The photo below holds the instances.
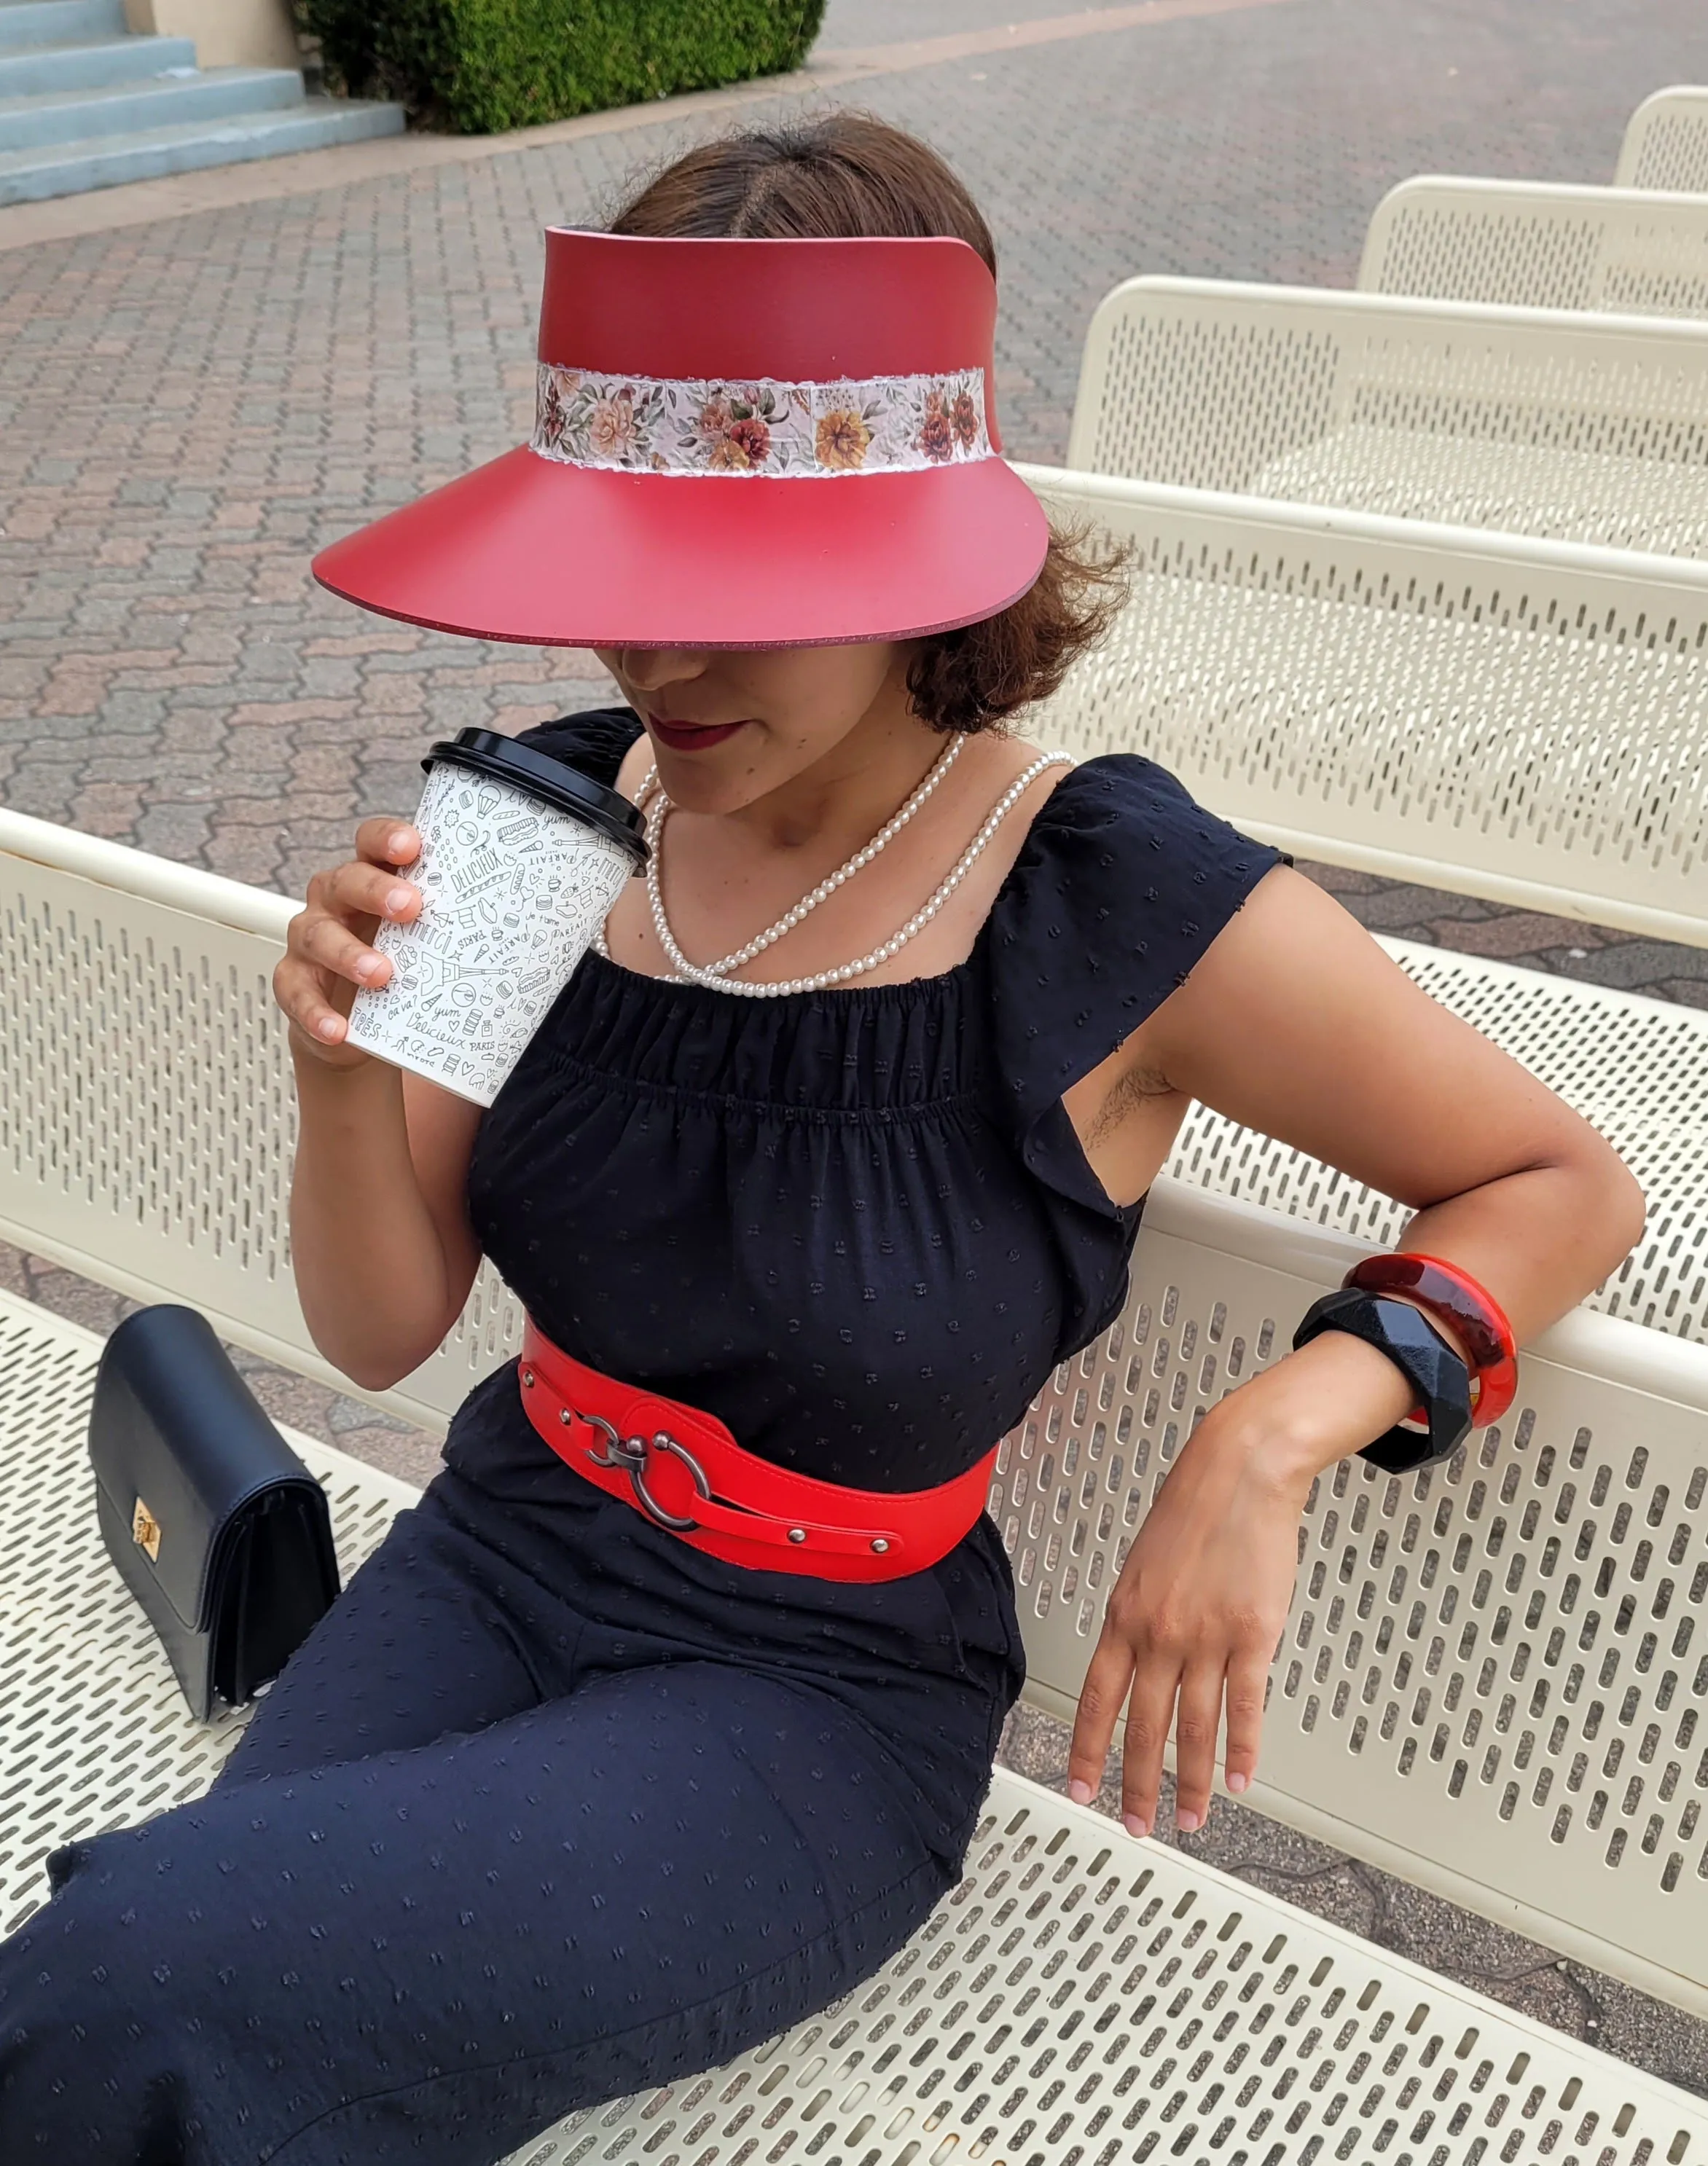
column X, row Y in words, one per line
column 327, row 956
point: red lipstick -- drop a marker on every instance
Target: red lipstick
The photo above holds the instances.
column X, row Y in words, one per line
column 692, row 737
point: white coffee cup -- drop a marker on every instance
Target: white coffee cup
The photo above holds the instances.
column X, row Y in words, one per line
column 522, row 856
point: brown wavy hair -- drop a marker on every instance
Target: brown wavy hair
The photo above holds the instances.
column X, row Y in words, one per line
column 849, row 176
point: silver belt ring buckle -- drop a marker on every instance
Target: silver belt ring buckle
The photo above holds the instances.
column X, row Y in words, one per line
column 631, row 1454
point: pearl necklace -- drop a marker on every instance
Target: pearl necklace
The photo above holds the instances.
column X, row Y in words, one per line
column 790, row 918
column 712, row 974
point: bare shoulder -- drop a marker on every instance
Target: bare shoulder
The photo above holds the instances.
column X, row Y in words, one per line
column 1018, row 754
column 999, row 762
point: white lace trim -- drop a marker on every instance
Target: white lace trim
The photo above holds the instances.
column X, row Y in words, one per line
column 698, row 425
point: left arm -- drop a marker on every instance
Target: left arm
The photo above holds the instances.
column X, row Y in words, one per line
column 1297, row 1024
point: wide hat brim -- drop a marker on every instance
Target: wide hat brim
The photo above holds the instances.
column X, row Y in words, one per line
column 527, row 549
column 562, row 546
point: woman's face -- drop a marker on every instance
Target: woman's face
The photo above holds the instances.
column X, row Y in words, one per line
column 728, row 727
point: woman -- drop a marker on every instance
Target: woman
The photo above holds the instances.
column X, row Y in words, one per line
column 841, row 1145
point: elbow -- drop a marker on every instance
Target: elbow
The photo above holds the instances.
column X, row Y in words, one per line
column 360, row 1369
column 376, row 1374
column 1635, row 1208
column 383, row 1369
column 1616, row 1210
column 371, row 1377
column 369, row 1368
column 377, row 1353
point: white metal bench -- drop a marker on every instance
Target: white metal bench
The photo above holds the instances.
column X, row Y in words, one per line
column 1493, row 1680
column 1522, row 721
column 1541, row 244
column 1666, row 142
column 1533, row 420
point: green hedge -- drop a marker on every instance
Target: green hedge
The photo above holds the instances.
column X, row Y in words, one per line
column 477, row 66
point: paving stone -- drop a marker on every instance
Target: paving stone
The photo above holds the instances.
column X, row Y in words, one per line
column 173, row 831
column 1517, row 933
column 1636, row 966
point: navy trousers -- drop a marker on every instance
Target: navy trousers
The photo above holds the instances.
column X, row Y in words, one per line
column 549, row 1809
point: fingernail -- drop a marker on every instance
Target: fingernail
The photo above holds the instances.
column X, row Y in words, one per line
column 368, row 966
column 1081, row 1793
column 397, row 900
column 399, row 843
column 328, row 1026
column 1238, row 1783
column 1134, row 1826
column 1187, row 1823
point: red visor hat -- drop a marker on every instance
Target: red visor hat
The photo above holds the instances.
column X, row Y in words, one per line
column 736, row 443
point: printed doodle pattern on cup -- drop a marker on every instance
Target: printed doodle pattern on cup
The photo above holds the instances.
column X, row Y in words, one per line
column 512, row 892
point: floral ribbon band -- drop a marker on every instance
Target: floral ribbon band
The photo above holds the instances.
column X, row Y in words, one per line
column 688, row 425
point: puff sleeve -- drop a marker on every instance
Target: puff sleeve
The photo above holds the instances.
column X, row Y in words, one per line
column 1123, row 882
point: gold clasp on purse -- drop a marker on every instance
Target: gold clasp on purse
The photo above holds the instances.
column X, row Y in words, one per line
column 144, row 1530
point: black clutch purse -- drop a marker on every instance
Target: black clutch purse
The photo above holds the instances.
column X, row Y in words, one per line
column 216, row 1526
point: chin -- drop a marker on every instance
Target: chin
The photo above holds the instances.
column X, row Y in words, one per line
column 691, row 781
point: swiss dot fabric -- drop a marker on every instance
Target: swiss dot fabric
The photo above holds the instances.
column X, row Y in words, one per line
column 855, row 1224
column 532, row 1820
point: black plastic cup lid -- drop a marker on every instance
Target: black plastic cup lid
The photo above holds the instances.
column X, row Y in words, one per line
column 488, row 751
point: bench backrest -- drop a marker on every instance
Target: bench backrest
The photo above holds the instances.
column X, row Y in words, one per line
column 147, row 1108
column 1666, row 142
column 1537, row 244
column 1633, row 1066
column 1524, row 721
column 1492, row 1681
column 1577, row 428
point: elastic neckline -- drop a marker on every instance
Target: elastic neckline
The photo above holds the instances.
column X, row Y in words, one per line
column 781, row 1002
column 943, row 1105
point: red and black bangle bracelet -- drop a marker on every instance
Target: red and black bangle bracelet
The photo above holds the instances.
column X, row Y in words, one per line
column 1443, row 1291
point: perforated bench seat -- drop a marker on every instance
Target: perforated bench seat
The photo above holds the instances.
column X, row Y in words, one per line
column 1498, row 715
column 1531, row 489
column 1538, row 421
column 1080, row 1999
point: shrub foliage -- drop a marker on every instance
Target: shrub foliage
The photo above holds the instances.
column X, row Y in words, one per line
column 477, row 67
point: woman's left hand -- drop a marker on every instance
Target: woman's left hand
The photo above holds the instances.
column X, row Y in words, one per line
column 1193, row 1621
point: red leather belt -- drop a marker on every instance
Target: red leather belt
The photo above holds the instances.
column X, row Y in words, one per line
column 683, row 1470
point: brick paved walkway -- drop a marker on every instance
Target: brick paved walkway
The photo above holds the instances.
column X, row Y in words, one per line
column 189, row 407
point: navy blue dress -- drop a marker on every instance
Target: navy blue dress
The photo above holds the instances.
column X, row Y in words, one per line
column 551, row 1807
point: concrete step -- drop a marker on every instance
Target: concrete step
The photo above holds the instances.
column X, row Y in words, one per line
column 65, row 169
column 36, row 70
column 59, row 22
column 81, row 116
